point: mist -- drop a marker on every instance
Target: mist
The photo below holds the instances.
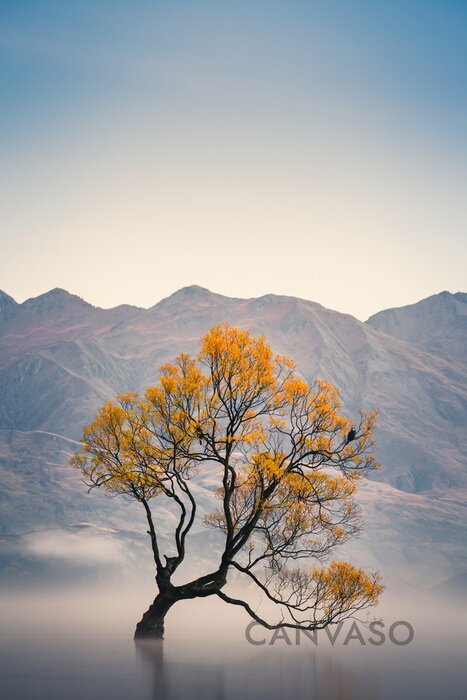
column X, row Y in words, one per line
column 75, row 641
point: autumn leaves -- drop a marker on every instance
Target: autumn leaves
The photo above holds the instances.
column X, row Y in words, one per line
column 286, row 470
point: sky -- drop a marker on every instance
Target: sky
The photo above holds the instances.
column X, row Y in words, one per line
column 312, row 148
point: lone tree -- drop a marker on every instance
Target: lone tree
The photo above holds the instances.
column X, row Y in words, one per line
column 287, row 463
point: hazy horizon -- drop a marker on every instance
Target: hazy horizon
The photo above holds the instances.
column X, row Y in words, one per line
column 215, row 292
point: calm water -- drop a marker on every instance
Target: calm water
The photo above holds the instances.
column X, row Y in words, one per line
column 50, row 650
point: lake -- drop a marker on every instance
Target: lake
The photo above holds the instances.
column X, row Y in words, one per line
column 77, row 645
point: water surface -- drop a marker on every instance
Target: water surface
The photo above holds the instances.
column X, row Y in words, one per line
column 79, row 647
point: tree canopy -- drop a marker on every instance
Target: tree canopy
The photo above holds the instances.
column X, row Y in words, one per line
column 287, row 462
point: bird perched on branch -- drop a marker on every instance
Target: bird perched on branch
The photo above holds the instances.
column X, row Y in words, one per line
column 199, row 434
column 351, row 435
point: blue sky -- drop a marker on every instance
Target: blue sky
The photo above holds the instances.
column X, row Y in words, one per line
column 309, row 148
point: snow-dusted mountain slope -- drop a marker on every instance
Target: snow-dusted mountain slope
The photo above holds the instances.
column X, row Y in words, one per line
column 437, row 324
column 60, row 358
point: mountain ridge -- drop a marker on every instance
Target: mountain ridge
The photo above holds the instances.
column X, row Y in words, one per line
column 194, row 290
column 59, row 365
column 437, row 323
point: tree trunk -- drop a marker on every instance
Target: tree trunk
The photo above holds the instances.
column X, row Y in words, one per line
column 151, row 625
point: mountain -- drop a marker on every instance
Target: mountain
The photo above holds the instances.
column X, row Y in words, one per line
column 52, row 317
column 8, row 306
column 437, row 324
column 61, row 357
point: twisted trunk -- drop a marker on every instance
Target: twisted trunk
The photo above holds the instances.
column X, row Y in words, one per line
column 151, row 625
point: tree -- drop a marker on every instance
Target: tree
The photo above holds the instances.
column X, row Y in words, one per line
column 287, row 462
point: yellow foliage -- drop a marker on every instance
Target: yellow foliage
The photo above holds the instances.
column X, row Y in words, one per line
column 337, row 588
column 288, row 470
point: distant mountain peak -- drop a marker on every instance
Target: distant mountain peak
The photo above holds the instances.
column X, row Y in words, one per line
column 6, row 299
column 441, row 298
column 437, row 323
column 56, row 298
column 8, row 305
column 193, row 290
column 190, row 295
